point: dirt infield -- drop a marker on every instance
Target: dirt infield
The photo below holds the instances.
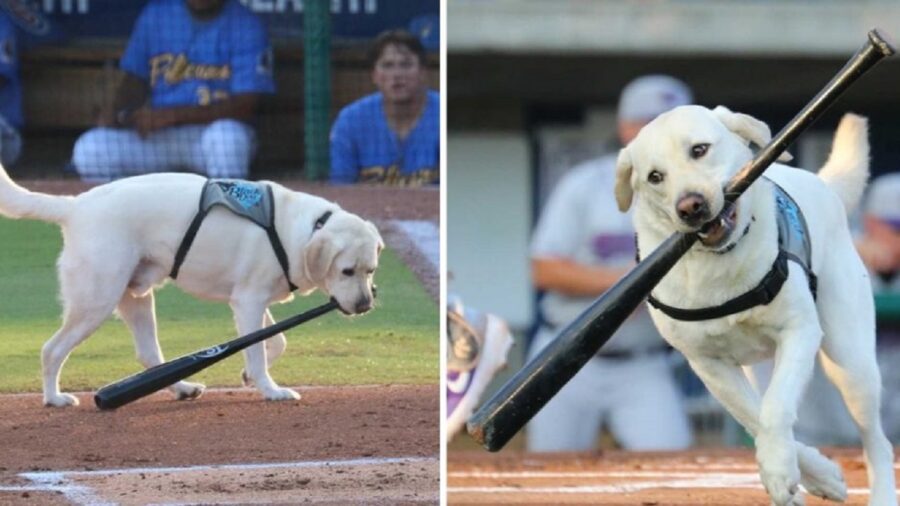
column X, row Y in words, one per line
column 714, row 477
column 373, row 444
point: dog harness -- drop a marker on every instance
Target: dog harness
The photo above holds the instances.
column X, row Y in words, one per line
column 252, row 201
column 793, row 244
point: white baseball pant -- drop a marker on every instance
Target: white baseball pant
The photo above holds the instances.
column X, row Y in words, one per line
column 221, row 149
column 636, row 398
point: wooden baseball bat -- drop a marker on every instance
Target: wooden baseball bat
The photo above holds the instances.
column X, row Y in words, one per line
column 158, row 377
column 511, row 407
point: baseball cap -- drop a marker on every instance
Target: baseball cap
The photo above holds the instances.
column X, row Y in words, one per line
column 884, row 199
column 649, row 96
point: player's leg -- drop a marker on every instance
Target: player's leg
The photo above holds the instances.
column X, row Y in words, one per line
column 571, row 420
column 227, row 147
column 105, row 154
column 647, row 412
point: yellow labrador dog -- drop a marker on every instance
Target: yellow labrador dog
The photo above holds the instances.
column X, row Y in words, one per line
column 121, row 241
column 774, row 276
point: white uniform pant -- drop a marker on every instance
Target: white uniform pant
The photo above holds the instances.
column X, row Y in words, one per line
column 636, row 398
column 221, row 149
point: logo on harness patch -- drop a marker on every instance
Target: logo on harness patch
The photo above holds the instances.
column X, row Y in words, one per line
column 247, row 195
column 792, row 213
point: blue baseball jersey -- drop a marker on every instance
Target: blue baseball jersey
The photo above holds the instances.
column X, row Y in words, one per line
column 191, row 62
column 11, row 91
column 365, row 149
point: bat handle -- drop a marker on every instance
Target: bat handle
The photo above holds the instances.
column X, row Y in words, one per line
column 877, row 46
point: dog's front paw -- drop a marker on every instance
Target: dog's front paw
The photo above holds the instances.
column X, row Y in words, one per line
column 281, row 394
column 778, row 469
column 60, row 400
column 185, row 390
column 798, row 500
column 820, row 476
column 783, row 488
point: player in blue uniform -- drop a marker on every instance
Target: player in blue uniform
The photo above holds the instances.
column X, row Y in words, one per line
column 393, row 135
column 194, row 73
column 10, row 93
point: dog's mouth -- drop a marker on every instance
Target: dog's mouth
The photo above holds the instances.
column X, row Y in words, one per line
column 716, row 232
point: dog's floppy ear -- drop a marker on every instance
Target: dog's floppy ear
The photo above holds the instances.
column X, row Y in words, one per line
column 371, row 226
column 624, row 191
column 320, row 253
column 748, row 127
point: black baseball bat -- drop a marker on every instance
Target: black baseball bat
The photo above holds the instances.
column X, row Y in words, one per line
column 155, row 378
column 511, row 407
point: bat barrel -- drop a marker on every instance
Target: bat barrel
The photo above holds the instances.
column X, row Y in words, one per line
column 507, row 411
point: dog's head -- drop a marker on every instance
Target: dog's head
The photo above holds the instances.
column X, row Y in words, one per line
column 341, row 259
column 678, row 165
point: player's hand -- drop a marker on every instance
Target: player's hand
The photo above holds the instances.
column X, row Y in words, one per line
column 147, row 120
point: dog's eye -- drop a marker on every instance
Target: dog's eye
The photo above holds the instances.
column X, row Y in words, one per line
column 698, row 150
column 348, row 272
column 655, row 177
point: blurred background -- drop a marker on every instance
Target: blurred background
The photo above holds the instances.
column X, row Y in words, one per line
column 532, row 90
column 69, row 54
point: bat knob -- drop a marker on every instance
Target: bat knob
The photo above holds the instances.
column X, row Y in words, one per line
column 882, row 41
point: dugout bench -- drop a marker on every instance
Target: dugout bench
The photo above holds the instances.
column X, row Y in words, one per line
column 63, row 86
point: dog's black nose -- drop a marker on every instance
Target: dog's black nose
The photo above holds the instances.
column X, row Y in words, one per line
column 363, row 305
column 693, row 209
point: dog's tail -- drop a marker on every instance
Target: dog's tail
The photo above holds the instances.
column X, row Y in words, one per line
column 847, row 169
column 17, row 202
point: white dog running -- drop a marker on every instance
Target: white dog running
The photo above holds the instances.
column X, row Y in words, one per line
column 120, row 243
column 677, row 168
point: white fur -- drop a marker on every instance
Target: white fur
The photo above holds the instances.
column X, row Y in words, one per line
column 120, row 243
column 839, row 326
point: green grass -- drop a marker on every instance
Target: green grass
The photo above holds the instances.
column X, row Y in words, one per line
column 396, row 343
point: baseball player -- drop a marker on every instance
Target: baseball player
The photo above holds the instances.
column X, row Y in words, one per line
column 10, row 93
column 391, row 136
column 581, row 246
column 194, row 74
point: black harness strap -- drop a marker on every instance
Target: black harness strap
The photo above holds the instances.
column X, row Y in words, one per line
column 761, row 295
column 793, row 245
column 267, row 224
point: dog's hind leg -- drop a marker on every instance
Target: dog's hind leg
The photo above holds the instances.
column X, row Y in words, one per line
column 847, row 315
column 274, row 348
column 88, row 299
column 138, row 313
column 857, row 377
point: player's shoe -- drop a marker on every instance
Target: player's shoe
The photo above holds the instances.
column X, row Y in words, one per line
column 477, row 345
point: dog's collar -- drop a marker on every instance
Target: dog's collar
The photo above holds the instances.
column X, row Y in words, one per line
column 793, row 244
column 730, row 246
column 321, row 221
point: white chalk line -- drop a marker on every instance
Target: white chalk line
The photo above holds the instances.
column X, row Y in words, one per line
column 60, row 481
column 675, row 480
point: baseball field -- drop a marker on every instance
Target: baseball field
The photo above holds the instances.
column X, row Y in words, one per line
column 366, row 427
